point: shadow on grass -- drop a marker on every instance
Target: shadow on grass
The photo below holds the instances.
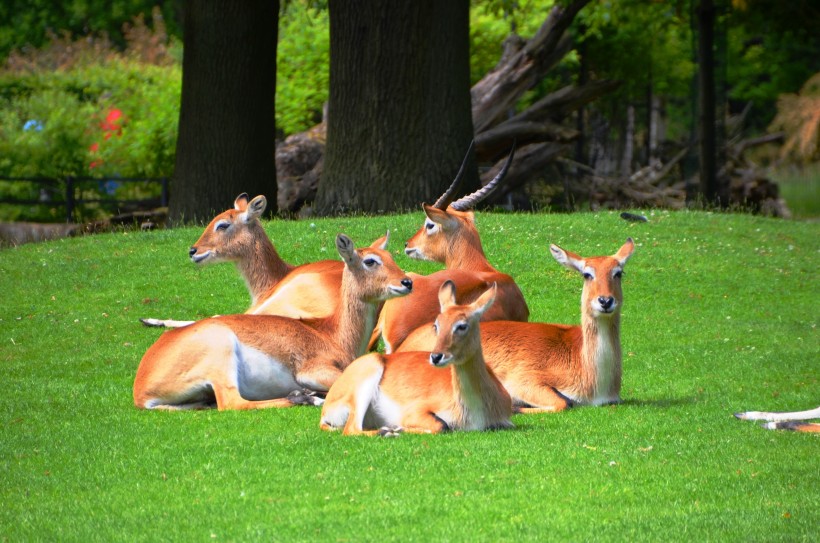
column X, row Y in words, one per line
column 660, row 403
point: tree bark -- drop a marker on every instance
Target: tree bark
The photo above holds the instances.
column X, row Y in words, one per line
column 706, row 93
column 629, row 141
column 399, row 107
column 226, row 141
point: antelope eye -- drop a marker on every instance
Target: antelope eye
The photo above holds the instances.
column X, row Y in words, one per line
column 369, row 262
column 588, row 276
column 222, row 226
column 618, row 274
column 461, row 327
column 435, row 327
column 430, row 225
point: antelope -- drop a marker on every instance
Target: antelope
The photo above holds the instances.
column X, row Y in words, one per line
column 276, row 287
column 254, row 361
column 415, row 392
column 449, row 235
column 549, row 367
column 785, row 421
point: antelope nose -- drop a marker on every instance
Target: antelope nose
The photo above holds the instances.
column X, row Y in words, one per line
column 606, row 302
column 192, row 251
column 408, row 283
column 435, row 358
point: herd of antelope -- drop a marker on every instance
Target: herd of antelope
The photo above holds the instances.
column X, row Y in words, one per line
column 309, row 334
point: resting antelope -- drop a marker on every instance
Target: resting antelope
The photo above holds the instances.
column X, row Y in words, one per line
column 254, row 361
column 450, row 388
column 546, row 367
column 785, row 421
column 276, row 287
column 449, row 235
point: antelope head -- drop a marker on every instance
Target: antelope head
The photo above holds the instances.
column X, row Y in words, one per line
column 449, row 224
column 377, row 276
column 602, row 295
column 231, row 234
column 457, row 329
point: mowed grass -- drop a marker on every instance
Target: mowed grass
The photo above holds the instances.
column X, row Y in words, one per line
column 720, row 316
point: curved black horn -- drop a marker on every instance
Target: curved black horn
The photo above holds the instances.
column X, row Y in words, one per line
column 469, row 201
column 448, row 196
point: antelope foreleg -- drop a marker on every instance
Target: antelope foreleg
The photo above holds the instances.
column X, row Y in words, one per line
column 544, row 399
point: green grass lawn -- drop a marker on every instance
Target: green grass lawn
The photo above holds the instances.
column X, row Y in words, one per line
column 719, row 317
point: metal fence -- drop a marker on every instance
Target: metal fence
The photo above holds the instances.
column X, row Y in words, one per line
column 63, row 192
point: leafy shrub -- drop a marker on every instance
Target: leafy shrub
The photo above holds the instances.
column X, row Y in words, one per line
column 302, row 66
column 57, row 105
column 798, row 115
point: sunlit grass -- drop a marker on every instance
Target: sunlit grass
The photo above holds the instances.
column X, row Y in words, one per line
column 718, row 317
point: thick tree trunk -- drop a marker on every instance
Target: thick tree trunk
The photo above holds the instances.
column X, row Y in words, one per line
column 226, row 142
column 706, row 92
column 399, row 109
column 629, row 141
column 358, row 99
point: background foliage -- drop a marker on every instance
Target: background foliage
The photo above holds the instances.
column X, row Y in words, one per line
column 67, row 66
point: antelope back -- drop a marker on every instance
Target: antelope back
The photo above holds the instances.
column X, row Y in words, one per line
column 233, row 234
column 602, row 294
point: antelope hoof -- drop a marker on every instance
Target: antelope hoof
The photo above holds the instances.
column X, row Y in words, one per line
column 390, row 431
column 305, row 397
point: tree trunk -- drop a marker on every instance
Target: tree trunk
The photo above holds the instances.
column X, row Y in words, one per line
column 399, row 108
column 629, row 141
column 706, row 93
column 226, row 143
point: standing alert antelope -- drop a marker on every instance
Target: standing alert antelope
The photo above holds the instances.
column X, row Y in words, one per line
column 276, row 287
column 254, row 361
column 450, row 388
column 449, row 235
column 546, row 367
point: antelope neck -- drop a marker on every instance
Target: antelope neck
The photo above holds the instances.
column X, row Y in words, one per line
column 264, row 269
column 351, row 327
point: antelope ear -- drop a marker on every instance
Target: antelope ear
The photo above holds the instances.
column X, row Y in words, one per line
column 347, row 250
column 241, row 202
column 255, row 208
column 567, row 259
column 437, row 215
column 484, row 301
column 381, row 243
column 624, row 252
column 447, row 295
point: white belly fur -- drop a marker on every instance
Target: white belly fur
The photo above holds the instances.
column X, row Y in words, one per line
column 261, row 377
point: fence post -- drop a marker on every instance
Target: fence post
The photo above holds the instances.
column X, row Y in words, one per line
column 164, row 198
column 69, row 199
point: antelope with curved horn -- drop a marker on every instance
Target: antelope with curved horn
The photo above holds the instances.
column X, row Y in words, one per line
column 276, row 287
column 413, row 392
column 794, row 420
column 449, row 235
column 255, row 361
column 548, row 367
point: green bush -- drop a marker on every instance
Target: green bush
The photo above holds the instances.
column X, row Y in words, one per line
column 302, row 66
column 81, row 108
